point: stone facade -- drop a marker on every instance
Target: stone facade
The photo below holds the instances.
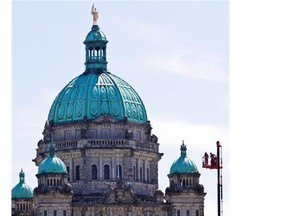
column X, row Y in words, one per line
column 111, row 162
column 112, row 170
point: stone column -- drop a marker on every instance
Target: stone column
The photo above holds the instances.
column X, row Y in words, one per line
column 71, row 167
column 113, row 165
column 100, row 168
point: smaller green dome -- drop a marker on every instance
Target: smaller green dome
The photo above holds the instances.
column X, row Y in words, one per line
column 22, row 190
column 52, row 164
column 183, row 164
column 95, row 35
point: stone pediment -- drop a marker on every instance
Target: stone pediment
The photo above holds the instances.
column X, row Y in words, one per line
column 121, row 193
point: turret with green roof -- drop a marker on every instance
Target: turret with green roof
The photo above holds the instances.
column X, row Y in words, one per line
column 183, row 164
column 22, row 190
column 52, row 164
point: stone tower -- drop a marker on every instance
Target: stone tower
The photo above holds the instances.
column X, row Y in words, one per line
column 22, row 197
column 99, row 126
column 54, row 193
column 185, row 193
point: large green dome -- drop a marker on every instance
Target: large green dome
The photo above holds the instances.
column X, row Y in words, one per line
column 22, row 190
column 97, row 92
column 52, row 164
column 183, row 164
column 94, row 94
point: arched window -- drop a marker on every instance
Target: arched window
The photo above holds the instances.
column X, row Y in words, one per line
column 119, row 171
column 77, row 171
column 106, row 172
column 134, row 173
column 68, row 135
column 141, row 174
column 68, row 171
column 94, row 171
column 148, row 175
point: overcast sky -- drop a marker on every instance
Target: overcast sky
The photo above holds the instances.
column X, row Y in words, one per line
column 174, row 54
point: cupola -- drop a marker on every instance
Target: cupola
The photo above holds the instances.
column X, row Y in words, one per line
column 52, row 164
column 95, row 46
column 22, row 190
column 183, row 164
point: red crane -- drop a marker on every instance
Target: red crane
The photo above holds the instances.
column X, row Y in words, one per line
column 215, row 162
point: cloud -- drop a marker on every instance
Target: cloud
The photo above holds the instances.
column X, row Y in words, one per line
column 202, row 137
column 137, row 28
column 205, row 66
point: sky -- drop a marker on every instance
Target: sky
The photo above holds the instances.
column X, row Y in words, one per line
column 247, row 102
column 174, row 54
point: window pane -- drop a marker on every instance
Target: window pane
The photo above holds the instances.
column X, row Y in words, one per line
column 94, row 172
column 141, row 174
column 77, row 172
column 119, row 171
column 106, row 172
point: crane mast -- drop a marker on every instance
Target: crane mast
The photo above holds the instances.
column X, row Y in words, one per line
column 216, row 163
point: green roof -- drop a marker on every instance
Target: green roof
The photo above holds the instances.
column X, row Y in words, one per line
column 91, row 95
column 95, row 35
column 52, row 164
column 22, row 190
column 183, row 164
column 97, row 92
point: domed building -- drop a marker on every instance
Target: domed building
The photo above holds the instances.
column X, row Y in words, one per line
column 107, row 157
column 184, row 186
column 22, row 197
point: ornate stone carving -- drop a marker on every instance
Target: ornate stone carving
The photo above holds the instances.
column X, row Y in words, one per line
column 154, row 138
column 129, row 134
column 121, row 193
column 68, row 188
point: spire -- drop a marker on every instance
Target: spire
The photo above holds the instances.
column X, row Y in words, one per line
column 95, row 46
column 183, row 149
column 52, row 149
column 22, row 176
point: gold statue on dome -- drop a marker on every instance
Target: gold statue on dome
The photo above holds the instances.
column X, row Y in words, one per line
column 94, row 12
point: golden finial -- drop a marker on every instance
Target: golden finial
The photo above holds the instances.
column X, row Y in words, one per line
column 94, row 12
